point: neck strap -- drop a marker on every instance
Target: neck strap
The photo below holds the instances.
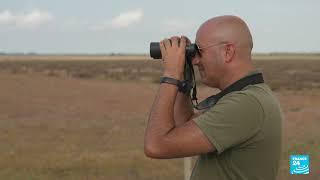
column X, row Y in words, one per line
column 236, row 86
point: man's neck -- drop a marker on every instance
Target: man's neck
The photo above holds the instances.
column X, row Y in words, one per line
column 234, row 76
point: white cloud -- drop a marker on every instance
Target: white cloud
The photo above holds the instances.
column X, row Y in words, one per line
column 127, row 18
column 32, row 19
column 123, row 20
column 6, row 17
column 35, row 18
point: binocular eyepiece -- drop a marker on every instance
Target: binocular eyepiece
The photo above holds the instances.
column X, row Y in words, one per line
column 155, row 51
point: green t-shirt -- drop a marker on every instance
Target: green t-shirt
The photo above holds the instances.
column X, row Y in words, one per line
column 245, row 128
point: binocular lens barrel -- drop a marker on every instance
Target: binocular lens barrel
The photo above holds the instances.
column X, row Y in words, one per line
column 155, row 51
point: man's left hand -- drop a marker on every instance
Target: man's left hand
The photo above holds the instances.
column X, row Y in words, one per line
column 173, row 56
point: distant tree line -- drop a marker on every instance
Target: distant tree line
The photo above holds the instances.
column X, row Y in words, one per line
column 18, row 53
column 139, row 54
column 72, row 54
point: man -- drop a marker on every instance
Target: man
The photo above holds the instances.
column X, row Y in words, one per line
column 237, row 138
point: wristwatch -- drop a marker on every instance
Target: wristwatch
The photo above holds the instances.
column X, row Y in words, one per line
column 170, row 80
column 183, row 86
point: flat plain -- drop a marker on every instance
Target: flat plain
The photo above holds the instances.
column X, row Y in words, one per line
column 67, row 117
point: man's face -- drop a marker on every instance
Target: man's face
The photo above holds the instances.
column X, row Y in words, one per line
column 209, row 62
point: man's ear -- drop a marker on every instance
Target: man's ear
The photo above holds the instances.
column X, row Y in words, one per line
column 229, row 52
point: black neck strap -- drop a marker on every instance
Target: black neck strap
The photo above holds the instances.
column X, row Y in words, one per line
column 236, row 86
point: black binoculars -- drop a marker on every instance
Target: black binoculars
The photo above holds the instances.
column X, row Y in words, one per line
column 155, row 52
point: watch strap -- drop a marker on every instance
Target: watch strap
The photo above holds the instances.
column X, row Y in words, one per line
column 170, row 80
column 183, row 86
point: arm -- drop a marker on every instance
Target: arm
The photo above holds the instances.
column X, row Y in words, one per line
column 183, row 109
column 163, row 139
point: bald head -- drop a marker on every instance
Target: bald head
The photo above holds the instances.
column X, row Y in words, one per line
column 230, row 29
column 229, row 57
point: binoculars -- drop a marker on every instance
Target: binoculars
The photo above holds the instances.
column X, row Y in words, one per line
column 155, row 52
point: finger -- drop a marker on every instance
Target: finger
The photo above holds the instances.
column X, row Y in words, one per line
column 167, row 43
column 187, row 40
column 183, row 43
column 175, row 41
column 162, row 49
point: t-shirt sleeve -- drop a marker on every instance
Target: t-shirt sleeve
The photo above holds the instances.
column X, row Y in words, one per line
column 233, row 120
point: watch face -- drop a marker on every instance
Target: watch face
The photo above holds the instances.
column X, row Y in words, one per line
column 185, row 86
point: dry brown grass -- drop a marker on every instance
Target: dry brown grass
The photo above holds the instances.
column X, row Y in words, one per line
column 299, row 73
column 72, row 120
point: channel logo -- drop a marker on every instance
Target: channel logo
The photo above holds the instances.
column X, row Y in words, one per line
column 299, row 164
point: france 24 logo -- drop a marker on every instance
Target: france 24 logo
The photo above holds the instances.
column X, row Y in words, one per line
column 299, row 164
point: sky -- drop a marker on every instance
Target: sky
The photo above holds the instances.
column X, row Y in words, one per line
column 123, row 26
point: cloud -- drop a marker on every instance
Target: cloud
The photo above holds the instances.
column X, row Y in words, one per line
column 6, row 17
column 32, row 19
column 123, row 20
column 126, row 19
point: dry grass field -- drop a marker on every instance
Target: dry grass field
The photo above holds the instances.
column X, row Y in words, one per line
column 83, row 118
